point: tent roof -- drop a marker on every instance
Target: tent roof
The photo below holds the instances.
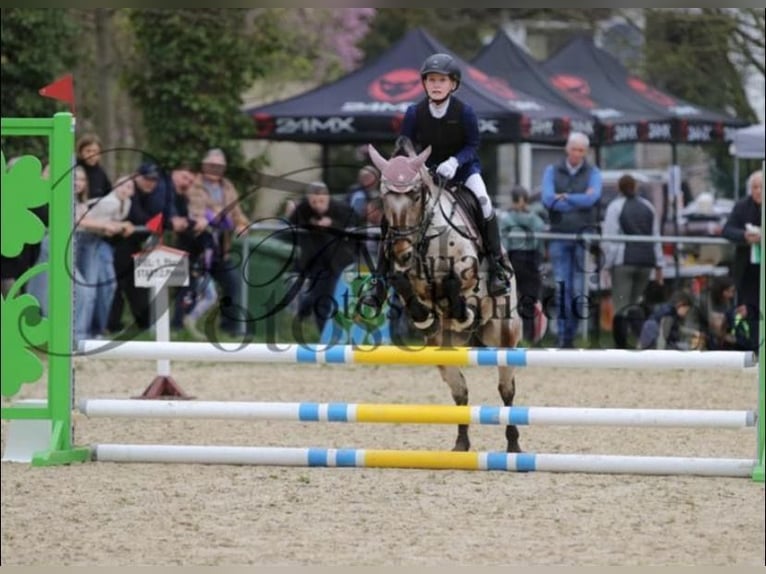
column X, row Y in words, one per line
column 749, row 142
column 509, row 62
column 368, row 104
column 631, row 109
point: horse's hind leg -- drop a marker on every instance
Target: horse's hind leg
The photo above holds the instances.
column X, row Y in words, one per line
column 456, row 381
column 507, row 388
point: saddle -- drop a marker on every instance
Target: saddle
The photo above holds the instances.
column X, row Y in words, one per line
column 468, row 203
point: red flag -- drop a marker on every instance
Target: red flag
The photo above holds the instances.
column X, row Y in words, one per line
column 155, row 224
column 62, row 90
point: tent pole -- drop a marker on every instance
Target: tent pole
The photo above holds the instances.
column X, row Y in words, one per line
column 676, row 232
column 325, row 159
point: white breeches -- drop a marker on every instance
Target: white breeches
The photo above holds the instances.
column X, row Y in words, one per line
column 476, row 184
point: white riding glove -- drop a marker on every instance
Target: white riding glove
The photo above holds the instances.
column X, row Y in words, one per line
column 448, row 168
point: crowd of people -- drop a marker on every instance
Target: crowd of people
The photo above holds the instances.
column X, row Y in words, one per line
column 195, row 204
column 200, row 207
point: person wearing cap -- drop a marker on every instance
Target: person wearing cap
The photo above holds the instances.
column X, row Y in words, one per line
column 150, row 198
column 324, row 252
column 451, row 127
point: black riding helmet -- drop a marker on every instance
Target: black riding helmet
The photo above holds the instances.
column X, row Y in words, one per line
column 441, row 64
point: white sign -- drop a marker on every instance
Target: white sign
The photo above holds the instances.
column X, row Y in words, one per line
column 161, row 267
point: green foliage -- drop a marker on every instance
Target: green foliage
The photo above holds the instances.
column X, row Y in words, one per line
column 188, row 72
column 462, row 30
column 687, row 55
column 459, row 29
column 36, row 46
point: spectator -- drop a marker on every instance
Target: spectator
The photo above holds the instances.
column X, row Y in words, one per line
column 363, row 196
column 13, row 267
column 193, row 235
column 664, row 328
column 367, row 203
column 94, row 257
column 324, row 253
column 571, row 192
column 524, row 253
column 629, row 263
column 216, row 197
column 95, row 249
column 150, row 199
column 88, row 151
column 719, row 313
column 744, row 228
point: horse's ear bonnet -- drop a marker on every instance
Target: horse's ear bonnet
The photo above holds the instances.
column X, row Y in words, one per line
column 399, row 174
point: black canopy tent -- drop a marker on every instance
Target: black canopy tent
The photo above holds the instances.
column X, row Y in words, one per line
column 503, row 59
column 629, row 108
column 368, row 104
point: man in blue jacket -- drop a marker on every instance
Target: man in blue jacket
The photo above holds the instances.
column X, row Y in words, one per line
column 571, row 192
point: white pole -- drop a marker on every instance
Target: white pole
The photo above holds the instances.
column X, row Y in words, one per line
column 161, row 325
column 392, row 355
column 417, row 414
column 321, row 457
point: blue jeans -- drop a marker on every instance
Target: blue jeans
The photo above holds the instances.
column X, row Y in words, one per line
column 82, row 310
column 568, row 261
column 94, row 258
column 38, row 284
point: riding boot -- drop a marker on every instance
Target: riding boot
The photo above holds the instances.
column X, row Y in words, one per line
column 499, row 282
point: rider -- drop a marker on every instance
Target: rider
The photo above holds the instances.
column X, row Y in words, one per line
column 451, row 128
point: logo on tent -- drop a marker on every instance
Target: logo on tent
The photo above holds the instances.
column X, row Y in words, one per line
column 575, row 88
column 650, row 93
column 497, row 86
column 398, row 85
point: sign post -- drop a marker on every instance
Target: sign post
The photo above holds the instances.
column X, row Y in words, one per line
column 159, row 268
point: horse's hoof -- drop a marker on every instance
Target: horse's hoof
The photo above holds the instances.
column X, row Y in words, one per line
column 461, row 447
column 514, row 448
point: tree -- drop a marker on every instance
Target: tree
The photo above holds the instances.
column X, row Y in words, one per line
column 326, row 39
column 36, row 46
column 463, row 30
column 704, row 56
column 188, row 72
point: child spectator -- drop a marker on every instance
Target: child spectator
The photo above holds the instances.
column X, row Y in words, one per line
column 94, row 255
column 664, row 329
column 525, row 254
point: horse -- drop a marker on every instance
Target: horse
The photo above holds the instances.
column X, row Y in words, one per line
column 438, row 273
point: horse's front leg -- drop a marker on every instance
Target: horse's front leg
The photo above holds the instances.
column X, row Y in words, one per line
column 423, row 317
column 453, row 376
column 507, row 388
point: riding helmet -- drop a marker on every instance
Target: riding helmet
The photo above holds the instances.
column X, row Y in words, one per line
column 441, row 64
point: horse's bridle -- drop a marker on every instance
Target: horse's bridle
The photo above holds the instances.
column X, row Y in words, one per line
column 421, row 239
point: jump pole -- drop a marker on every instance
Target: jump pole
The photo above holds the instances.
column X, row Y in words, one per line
column 416, row 414
column 394, row 355
column 330, row 457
